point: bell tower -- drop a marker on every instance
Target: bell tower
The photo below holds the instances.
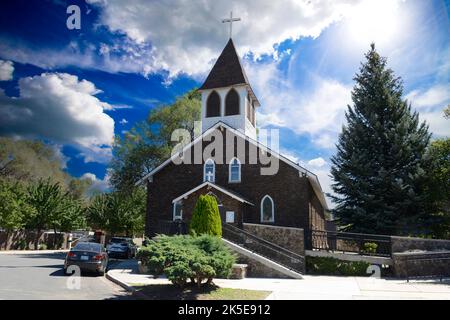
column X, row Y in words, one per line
column 227, row 95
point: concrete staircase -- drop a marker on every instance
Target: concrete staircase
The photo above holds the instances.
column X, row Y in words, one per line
column 262, row 251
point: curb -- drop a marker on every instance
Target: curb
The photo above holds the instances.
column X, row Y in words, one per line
column 128, row 288
column 18, row 252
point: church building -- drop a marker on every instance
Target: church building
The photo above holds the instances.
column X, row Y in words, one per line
column 236, row 172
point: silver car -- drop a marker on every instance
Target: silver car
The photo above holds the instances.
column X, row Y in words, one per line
column 120, row 247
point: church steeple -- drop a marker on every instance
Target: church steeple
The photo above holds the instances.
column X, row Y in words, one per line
column 227, row 95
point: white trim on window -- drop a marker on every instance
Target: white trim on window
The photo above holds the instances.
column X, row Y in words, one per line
column 210, row 178
column 229, row 217
column 230, row 180
column 174, row 217
column 262, row 210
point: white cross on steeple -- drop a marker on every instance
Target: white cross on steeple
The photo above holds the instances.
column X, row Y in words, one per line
column 231, row 20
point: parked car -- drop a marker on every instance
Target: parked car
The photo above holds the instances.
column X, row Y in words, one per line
column 121, row 247
column 88, row 256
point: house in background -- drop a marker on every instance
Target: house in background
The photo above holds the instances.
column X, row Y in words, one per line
column 290, row 197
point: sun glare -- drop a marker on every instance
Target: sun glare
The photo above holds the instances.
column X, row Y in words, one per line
column 378, row 21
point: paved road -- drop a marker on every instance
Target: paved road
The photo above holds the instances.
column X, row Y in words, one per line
column 40, row 276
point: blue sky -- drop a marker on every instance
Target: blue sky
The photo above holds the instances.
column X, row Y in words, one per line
column 76, row 89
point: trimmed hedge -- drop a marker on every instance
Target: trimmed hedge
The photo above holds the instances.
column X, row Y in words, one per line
column 183, row 258
column 206, row 217
column 335, row 267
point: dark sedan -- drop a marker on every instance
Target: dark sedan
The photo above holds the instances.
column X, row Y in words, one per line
column 88, row 256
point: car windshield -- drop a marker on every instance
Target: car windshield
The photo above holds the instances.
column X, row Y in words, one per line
column 88, row 247
column 119, row 240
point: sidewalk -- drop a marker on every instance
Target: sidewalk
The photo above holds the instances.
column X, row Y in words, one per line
column 33, row 251
column 310, row 288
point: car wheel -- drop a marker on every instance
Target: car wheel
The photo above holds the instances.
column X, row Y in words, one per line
column 101, row 272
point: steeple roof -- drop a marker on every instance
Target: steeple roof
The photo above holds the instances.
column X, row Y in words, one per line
column 228, row 71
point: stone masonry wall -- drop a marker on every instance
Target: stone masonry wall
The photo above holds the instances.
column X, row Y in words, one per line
column 291, row 239
column 402, row 244
column 421, row 264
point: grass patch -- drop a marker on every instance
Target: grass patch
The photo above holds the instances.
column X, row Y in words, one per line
column 171, row 292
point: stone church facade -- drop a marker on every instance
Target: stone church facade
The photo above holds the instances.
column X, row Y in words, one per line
column 234, row 172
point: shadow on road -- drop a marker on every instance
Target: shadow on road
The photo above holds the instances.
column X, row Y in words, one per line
column 56, row 255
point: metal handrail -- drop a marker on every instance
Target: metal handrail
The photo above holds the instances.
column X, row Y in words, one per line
column 267, row 245
column 323, row 237
column 261, row 240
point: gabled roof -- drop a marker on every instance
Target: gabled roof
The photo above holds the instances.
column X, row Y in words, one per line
column 228, row 71
column 215, row 186
column 311, row 176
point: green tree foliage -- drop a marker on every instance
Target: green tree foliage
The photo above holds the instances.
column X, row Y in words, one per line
column 14, row 207
column 206, row 217
column 149, row 143
column 379, row 170
column 447, row 112
column 118, row 213
column 183, row 258
column 28, row 161
column 439, row 187
column 54, row 208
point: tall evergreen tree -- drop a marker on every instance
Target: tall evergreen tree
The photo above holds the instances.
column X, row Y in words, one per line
column 379, row 170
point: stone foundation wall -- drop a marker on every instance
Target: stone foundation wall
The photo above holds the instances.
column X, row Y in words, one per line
column 419, row 264
column 292, row 239
column 402, row 244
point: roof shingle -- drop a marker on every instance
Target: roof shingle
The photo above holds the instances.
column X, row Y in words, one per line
column 227, row 71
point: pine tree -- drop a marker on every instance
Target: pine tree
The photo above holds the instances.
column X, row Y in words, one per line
column 206, row 218
column 379, row 170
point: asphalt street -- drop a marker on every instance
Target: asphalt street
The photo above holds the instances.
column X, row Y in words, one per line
column 41, row 277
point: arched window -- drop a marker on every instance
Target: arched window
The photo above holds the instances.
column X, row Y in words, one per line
column 209, row 171
column 178, row 211
column 232, row 103
column 267, row 209
column 234, row 174
column 213, row 105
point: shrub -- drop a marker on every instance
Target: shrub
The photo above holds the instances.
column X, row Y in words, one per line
column 206, row 218
column 42, row 246
column 369, row 248
column 183, row 258
column 331, row 266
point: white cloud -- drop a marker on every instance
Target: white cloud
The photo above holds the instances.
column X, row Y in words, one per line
column 291, row 155
column 318, row 112
column 430, row 104
column 63, row 159
column 319, row 166
column 438, row 95
column 98, row 185
column 6, row 70
column 317, row 162
column 123, row 121
column 186, row 36
column 62, row 108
